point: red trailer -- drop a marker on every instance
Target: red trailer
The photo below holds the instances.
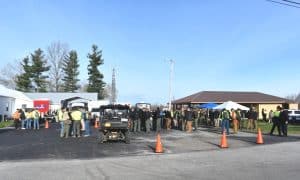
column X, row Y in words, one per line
column 42, row 105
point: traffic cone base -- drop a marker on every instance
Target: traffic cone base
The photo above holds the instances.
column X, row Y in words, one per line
column 223, row 143
column 46, row 124
column 158, row 148
column 96, row 124
column 259, row 139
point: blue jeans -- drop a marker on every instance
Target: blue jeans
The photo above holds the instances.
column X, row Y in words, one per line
column 36, row 124
column 29, row 121
column 62, row 126
column 87, row 128
column 225, row 124
column 23, row 123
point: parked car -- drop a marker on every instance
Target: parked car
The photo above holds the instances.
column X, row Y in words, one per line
column 294, row 116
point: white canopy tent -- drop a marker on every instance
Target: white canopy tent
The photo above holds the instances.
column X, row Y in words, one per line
column 231, row 105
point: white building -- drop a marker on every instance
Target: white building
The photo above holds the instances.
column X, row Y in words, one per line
column 10, row 100
column 57, row 98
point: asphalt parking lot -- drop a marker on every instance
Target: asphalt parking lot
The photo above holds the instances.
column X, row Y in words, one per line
column 21, row 145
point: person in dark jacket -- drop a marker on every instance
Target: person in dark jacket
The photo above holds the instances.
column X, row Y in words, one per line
column 168, row 119
column 147, row 116
column 158, row 118
column 189, row 120
column 23, row 118
column 140, row 120
column 252, row 115
column 283, row 121
column 136, row 123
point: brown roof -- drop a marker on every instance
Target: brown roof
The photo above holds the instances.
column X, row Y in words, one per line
column 223, row 96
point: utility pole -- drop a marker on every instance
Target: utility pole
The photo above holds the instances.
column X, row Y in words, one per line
column 113, row 88
column 170, row 83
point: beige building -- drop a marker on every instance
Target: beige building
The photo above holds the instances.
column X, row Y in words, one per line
column 250, row 99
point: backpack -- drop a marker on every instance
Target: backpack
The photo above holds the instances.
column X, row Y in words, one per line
column 238, row 115
column 22, row 115
column 225, row 114
column 36, row 114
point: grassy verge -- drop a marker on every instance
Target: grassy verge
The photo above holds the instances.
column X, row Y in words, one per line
column 6, row 124
column 266, row 128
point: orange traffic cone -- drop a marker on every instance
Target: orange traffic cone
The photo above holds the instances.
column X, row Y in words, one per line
column 224, row 141
column 96, row 124
column 259, row 139
column 46, row 124
column 158, row 148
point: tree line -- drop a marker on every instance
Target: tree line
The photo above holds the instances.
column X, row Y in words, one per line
column 57, row 70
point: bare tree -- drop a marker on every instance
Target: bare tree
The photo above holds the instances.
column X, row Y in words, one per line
column 9, row 73
column 294, row 97
column 56, row 53
column 107, row 92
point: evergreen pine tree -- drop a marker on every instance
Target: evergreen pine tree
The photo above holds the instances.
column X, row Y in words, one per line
column 23, row 81
column 70, row 69
column 95, row 79
column 39, row 67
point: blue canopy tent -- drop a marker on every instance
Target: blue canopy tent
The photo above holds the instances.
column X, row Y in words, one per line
column 208, row 105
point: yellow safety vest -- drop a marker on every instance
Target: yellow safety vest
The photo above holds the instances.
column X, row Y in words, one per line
column 36, row 114
column 28, row 115
column 76, row 115
column 60, row 115
column 276, row 113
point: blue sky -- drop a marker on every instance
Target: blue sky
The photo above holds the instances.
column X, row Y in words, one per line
column 229, row 45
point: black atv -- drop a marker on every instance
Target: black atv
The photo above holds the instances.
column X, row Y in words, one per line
column 114, row 124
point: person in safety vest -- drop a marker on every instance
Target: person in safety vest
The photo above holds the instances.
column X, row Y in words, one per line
column 276, row 121
column 61, row 121
column 76, row 115
column 225, row 116
column 16, row 118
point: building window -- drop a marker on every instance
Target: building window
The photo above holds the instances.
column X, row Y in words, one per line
column 24, row 106
column 7, row 107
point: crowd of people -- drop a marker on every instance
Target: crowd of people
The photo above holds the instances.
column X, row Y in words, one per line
column 189, row 119
column 185, row 119
column 24, row 119
column 77, row 122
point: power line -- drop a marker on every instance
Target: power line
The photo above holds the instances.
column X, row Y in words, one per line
column 293, row 2
column 286, row 4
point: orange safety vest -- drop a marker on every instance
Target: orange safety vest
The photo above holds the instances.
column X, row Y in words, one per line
column 16, row 115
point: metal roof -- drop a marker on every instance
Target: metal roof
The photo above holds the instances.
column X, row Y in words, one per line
column 6, row 92
column 223, row 96
column 56, row 98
